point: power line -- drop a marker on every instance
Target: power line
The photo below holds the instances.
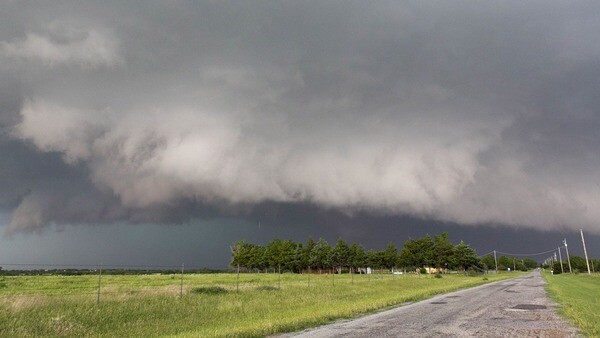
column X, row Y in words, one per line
column 526, row 254
column 485, row 254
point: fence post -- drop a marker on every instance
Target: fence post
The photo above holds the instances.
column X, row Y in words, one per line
column 99, row 282
column 237, row 280
column 181, row 287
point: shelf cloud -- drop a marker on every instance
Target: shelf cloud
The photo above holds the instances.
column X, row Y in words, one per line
column 472, row 113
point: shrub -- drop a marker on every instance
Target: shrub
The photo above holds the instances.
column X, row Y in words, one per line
column 556, row 268
column 438, row 275
column 209, row 290
column 423, row 270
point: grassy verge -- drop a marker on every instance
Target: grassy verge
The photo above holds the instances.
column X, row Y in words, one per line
column 150, row 305
column 579, row 297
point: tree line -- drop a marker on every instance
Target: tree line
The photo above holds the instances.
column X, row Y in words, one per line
column 577, row 264
column 504, row 263
column 425, row 252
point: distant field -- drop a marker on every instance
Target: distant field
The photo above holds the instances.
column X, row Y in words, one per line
column 579, row 296
column 143, row 305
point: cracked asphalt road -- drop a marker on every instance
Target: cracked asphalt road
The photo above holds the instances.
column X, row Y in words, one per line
column 517, row 307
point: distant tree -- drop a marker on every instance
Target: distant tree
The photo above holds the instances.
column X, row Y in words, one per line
column 556, row 268
column 529, row 263
column 257, row 258
column 488, row 262
column 442, row 248
column 578, row 264
column 594, row 264
column 280, row 254
column 389, row 257
column 504, row 263
column 427, row 250
column 339, row 255
column 319, row 255
column 408, row 255
column 417, row 253
column 299, row 261
column 306, row 249
column 357, row 257
column 240, row 254
column 464, row 257
column 376, row 259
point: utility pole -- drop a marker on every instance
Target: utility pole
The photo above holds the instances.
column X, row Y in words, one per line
column 585, row 252
column 562, row 270
column 568, row 258
column 181, row 286
column 496, row 261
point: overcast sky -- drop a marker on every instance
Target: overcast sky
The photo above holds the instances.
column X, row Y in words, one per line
column 169, row 120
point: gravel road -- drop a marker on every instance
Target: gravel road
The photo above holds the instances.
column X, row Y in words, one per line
column 518, row 307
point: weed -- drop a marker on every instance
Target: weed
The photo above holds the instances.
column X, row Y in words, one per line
column 210, row 290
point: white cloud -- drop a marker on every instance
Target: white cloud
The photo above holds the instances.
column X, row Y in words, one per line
column 87, row 48
column 62, row 129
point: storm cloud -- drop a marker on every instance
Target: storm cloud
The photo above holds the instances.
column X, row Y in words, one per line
column 472, row 113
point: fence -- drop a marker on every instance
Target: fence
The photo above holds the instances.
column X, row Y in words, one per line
column 101, row 282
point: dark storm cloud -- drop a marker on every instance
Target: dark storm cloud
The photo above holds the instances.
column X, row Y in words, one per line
column 464, row 112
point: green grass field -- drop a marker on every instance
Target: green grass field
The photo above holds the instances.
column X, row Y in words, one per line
column 144, row 305
column 579, row 297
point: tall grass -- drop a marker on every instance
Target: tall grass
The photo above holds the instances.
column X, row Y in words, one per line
column 210, row 306
column 579, row 297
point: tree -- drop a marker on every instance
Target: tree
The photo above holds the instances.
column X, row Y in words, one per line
column 299, row 261
column 257, row 258
column 504, row 263
column 376, row 259
column 556, row 268
column 488, row 262
column 319, row 255
column 464, row 257
column 306, row 249
column 442, row 248
column 529, row 263
column 578, row 264
column 280, row 253
column 389, row 257
column 240, row 254
column 339, row 255
column 417, row 253
column 357, row 256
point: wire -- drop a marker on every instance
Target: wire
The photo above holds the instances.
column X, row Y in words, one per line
column 485, row 254
column 525, row 254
